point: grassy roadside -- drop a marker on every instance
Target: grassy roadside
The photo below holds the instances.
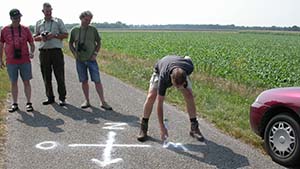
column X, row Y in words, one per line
column 4, row 88
column 223, row 103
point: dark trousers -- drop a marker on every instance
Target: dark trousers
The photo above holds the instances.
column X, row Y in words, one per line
column 53, row 59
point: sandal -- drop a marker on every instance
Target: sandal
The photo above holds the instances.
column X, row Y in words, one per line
column 85, row 105
column 29, row 107
column 13, row 107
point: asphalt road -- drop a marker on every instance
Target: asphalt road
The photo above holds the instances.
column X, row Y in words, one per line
column 54, row 137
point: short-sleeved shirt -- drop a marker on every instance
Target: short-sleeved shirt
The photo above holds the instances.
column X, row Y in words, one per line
column 164, row 68
column 55, row 26
column 16, row 38
column 86, row 36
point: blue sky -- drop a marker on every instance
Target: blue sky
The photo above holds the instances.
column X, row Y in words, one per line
column 238, row 12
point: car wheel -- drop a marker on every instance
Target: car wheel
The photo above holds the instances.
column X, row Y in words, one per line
column 281, row 138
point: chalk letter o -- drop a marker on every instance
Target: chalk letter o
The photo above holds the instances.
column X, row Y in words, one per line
column 46, row 145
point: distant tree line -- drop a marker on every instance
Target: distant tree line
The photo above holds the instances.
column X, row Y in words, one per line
column 120, row 25
column 212, row 27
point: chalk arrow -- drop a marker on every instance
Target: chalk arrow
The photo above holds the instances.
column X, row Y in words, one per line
column 106, row 162
column 107, row 152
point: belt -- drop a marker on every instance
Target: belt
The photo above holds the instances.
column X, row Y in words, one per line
column 49, row 49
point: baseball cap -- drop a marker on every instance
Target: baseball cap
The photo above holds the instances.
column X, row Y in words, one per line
column 15, row 13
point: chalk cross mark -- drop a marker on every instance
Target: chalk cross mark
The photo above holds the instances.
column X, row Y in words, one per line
column 107, row 152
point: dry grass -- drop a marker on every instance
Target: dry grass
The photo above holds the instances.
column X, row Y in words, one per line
column 129, row 59
column 228, row 86
column 4, row 90
column 2, row 134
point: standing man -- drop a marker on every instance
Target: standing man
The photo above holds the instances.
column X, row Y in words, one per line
column 14, row 39
column 50, row 32
column 170, row 71
column 85, row 43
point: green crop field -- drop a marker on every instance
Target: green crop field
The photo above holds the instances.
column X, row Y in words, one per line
column 254, row 59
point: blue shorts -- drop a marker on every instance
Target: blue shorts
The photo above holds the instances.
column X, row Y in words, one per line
column 24, row 70
column 91, row 66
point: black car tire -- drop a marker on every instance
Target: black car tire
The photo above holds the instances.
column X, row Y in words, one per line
column 282, row 140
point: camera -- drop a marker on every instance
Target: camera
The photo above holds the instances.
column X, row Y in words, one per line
column 44, row 33
column 17, row 53
column 81, row 47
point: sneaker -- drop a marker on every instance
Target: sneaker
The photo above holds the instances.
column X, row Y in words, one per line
column 195, row 131
column 106, row 106
column 85, row 105
column 143, row 132
column 62, row 103
column 14, row 107
column 29, row 107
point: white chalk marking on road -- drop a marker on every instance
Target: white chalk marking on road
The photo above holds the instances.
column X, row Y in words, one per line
column 114, row 145
column 169, row 144
column 46, row 145
column 114, row 126
column 105, row 163
column 107, row 152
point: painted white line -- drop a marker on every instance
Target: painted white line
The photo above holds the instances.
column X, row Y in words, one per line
column 113, row 145
column 46, row 145
column 114, row 126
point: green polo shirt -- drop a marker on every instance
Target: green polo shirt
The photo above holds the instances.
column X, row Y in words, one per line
column 88, row 36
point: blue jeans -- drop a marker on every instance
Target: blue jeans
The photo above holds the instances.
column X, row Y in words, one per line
column 84, row 66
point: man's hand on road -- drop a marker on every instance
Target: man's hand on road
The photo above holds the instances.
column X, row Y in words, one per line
column 164, row 133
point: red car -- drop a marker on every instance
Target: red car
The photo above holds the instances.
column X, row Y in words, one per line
column 275, row 116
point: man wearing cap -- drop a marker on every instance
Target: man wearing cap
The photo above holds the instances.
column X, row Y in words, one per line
column 170, row 71
column 50, row 31
column 14, row 39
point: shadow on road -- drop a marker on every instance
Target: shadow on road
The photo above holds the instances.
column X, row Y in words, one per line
column 76, row 113
column 223, row 157
column 210, row 153
column 36, row 119
column 93, row 114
